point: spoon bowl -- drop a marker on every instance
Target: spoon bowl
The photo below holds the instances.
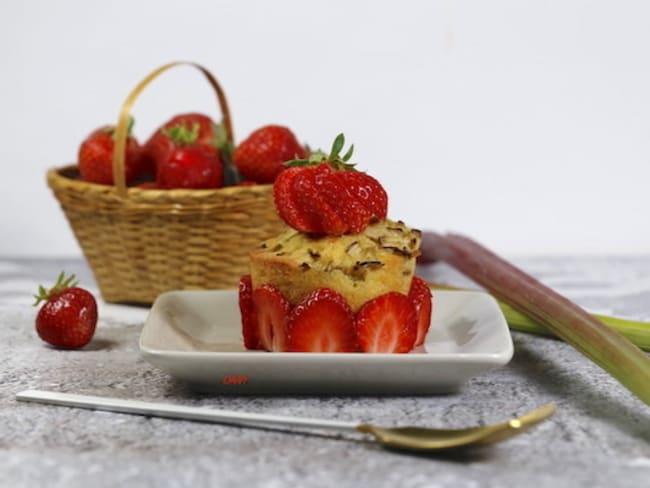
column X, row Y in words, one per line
column 427, row 439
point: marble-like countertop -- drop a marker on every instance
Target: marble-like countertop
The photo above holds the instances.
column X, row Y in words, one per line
column 600, row 435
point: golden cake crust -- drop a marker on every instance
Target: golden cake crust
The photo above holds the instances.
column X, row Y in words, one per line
column 359, row 266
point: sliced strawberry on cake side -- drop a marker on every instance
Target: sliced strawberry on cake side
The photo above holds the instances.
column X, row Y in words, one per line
column 387, row 324
column 420, row 295
column 271, row 311
column 248, row 321
column 322, row 322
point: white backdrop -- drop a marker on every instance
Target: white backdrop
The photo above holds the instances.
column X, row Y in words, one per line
column 523, row 124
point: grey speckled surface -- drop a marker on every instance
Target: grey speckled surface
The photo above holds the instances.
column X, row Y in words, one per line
column 600, row 435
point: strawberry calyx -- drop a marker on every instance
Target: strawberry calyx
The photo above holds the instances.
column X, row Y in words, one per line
column 334, row 158
column 63, row 282
column 182, row 134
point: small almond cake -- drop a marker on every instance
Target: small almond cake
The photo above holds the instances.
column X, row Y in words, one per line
column 358, row 266
column 341, row 278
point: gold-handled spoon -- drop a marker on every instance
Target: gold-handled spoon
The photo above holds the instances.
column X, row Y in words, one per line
column 410, row 438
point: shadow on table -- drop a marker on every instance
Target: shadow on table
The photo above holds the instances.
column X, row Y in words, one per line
column 559, row 381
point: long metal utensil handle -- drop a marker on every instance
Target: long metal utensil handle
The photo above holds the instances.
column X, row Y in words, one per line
column 171, row 411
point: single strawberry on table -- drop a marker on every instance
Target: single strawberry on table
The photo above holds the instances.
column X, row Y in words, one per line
column 69, row 316
column 95, row 158
column 188, row 164
column 261, row 156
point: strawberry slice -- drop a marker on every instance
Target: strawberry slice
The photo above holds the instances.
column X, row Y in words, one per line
column 248, row 323
column 321, row 216
column 367, row 191
column 286, row 204
column 322, row 322
column 387, row 324
column 300, row 205
column 420, row 295
column 335, row 192
column 271, row 313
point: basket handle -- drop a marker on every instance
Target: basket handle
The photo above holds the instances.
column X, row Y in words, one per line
column 121, row 131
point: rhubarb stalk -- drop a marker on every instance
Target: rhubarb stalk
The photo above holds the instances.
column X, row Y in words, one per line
column 600, row 343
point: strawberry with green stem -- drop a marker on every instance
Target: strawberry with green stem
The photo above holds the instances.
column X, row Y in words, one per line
column 325, row 194
column 188, row 164
column 69, row 316
column 211, row 136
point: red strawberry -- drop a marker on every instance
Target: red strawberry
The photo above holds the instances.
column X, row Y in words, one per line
column 301, row 204
column 96, row 157
column 420, row 295
column 327, row 196
column 159, row 145
column 260, row 157
column 249, row 326
column 387, row 324
column 356, row 198
column 322, row 322
column 321, row 217
column 367, row 191
column 286, row 202
column 189, row 164
column 69, row 316
column 271, row 313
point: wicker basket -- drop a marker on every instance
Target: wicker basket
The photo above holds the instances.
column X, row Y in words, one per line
column 140, row 243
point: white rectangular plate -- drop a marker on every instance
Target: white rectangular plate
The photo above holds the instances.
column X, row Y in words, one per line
column 196, row 337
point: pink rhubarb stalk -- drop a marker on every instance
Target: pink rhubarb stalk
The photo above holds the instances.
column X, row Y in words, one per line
column 600, row 343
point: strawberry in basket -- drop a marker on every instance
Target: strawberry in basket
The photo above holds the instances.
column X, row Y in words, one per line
column 96, row 156
column 187, row 163
column 262, row 155
column 159, row 145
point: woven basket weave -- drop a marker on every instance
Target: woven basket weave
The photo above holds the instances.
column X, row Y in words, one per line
column 140, row 243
